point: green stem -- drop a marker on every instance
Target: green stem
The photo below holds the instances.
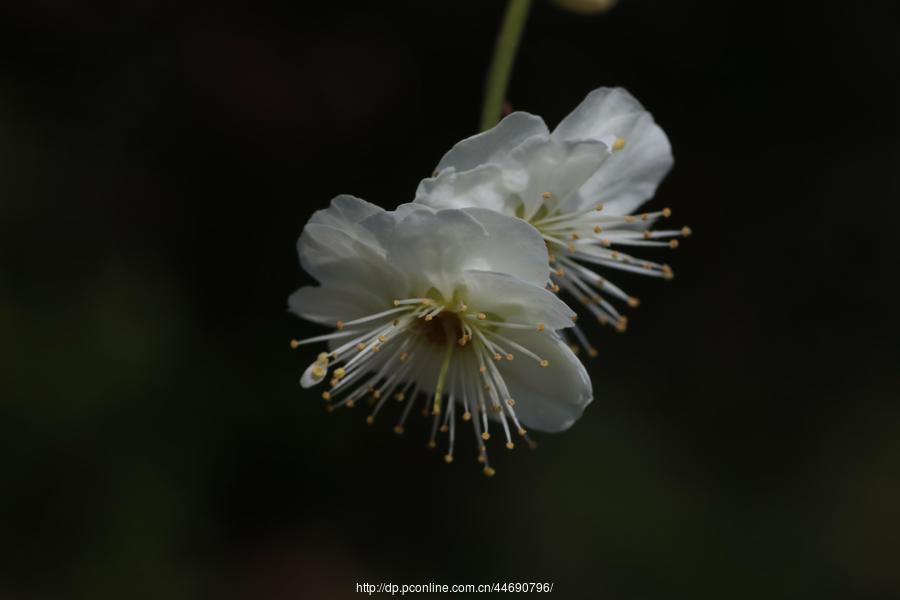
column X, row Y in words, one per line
column 502, row 61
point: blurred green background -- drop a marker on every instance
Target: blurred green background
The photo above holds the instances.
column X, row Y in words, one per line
column 158, row 161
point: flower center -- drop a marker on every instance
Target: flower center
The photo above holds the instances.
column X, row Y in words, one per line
column 447, row 354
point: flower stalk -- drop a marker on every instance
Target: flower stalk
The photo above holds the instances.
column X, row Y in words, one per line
column 502, row 62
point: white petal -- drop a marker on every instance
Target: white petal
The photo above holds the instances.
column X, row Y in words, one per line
column 515, row 301
column 631, row 175
column 548, row 165
column 334, row 234
column 321, row 246
column 480, row 186
column 352, row 288
column 344, row 212
column 494, row 143
column 327, row 305
column 435, row 247
column 547, row 399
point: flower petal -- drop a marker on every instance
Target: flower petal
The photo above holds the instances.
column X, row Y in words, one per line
column 353, row 288
column 514, row 300
column 547, row 399
column 545, row 171
column 494, row 143
column 480, row 186
column 435, row 247
column 344, row 212
column 631, row 175
column 334, row 234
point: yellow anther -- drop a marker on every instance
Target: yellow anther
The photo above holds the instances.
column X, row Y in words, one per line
column 634, row 302
column 686, row 231
column 540, row 326
column 322, row 358
column 618, row 144
column 340, row 372
column 647, row 235
column 645, row 217
column 522, row 432
column 551, row 258
column 485, row 436
column 435, row 410
column 592, row 352
column 318, row 372
column 510, row 445
column 351, row 403
column 444, row 428
column 396, row 322
column 574, row 348
column 575, row 236
column 496, row 408
column 673, row 244
column 490, row 472
column 546, row 195
column 597, row 229
column 630, row 218
column 448, row 458
column 326, row 395
column 544, row 363
column 398, row 429
column 339, row 325
column 370, row 420
column 498, row 356
column 467, row 416
column 481, row 316
column 360, row 346
column 622, row 324
column 294, row 344
column 376, row 349
column 667, row 272
column 605, row 243
column 599, row 206
column 667, row 212
column 510, row 402
column 400, row 397
column 532, row 444
column 429, row 317
column 432, row 444
column 396, row 303
column 481, row 458
column 403, row 356
column 602, row 319
column 555, row 288
column 381, row 338
column 482, row 369
column 571, row 247
column 376, row 394
column 574, row 317
column 614, row 255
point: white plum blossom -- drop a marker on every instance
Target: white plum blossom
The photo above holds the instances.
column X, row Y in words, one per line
column 578, row 185
column 441, row 308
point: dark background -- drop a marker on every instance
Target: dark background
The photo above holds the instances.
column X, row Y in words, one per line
column 158, row 161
